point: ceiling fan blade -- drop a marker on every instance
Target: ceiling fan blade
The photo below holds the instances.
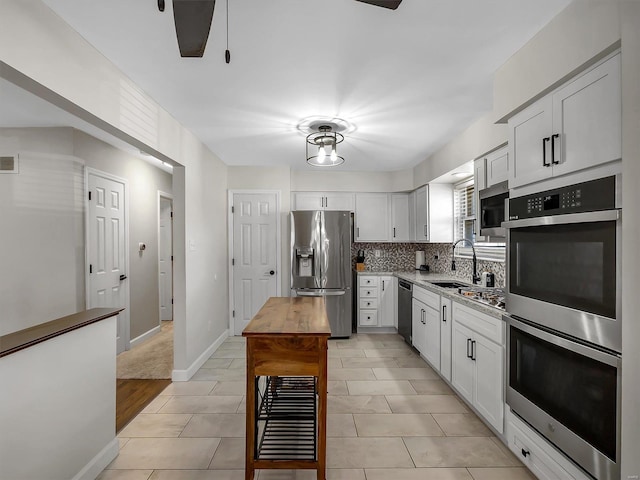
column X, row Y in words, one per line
column 392, row 4
column 193, row 22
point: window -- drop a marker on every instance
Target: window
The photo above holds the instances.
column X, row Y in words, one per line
column 464, row 211
column 464, row 218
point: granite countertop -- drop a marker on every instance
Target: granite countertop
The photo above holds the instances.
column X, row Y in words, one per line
column 425, row 279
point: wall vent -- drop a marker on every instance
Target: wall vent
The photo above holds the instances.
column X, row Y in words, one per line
column 8, row 164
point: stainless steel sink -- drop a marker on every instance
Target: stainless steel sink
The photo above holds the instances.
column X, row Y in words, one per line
column 450, row 284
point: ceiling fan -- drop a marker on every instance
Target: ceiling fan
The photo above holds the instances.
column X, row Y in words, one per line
column 193, row 22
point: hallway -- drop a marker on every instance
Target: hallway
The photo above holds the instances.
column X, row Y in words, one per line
column 390, row 417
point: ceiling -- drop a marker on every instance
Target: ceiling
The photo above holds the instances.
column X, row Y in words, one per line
column 407, row 80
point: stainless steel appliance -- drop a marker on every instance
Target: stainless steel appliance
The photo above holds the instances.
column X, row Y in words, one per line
column 569, row 392
column 405, row 297
column 563, row 260
column 493, row 204
column 321, row 263
column 564, row 333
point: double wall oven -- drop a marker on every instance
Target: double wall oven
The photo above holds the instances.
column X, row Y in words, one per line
column 564, row 340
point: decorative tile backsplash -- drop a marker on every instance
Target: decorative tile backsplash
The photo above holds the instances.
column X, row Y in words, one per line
column 402, row 256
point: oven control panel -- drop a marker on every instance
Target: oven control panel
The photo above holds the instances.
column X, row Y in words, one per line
column 589, row 196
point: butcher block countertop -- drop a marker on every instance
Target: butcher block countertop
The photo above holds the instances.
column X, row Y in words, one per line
column 290, row 316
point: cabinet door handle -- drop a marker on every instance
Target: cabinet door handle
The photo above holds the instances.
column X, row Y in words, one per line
column 358, row 232
column 383, row 285
column 468, row 347
column 425, row 231
column 326, row 202
column 394, row 232
column 525, row 453
column 473, row 350
column 444, row 313
column 544, row 152
column 553, row 149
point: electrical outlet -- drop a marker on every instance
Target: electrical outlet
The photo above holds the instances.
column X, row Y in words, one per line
column 377, row 253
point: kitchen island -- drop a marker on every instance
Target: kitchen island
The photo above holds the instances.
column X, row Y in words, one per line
column 287, row 386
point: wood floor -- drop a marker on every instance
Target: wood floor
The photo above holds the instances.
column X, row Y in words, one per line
column 133, row 395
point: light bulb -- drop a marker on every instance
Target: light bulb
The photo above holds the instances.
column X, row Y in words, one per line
column 321, row 154
column 334, row 155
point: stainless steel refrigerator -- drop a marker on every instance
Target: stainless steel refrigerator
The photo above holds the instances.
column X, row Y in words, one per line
column 321, row 263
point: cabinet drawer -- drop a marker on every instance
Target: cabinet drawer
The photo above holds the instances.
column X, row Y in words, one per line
column 367, row 281
column 486, row 325
column 369, row 318
column 430, row 299
column 368, row 292
column 368, row 303
column 533, row 456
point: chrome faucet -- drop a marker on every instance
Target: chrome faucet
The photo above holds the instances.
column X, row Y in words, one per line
column 475, row 277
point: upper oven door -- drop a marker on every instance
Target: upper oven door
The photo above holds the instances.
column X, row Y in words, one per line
column 492, row 209
column 564, row 272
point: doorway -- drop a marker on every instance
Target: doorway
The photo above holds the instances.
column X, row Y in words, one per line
column 165, row 255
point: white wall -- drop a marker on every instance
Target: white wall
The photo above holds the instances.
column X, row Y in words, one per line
column 630, row 23
column 319, row 181
column 479, row 138
column 42, row 229
column 41, row 53
column 58, row 413
column 578, row 36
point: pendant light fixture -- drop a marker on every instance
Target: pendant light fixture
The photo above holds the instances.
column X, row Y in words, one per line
column 321, row 147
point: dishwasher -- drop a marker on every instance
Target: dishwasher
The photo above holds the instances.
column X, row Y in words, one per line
column 405, row 297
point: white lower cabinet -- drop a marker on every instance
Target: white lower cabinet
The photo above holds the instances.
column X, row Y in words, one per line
column 377, row 306
column 477, row 362
column 537, row 454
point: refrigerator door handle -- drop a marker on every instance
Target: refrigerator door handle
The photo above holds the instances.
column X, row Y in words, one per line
column 320, row 293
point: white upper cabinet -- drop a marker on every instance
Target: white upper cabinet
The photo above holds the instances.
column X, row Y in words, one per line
column 400, row 217
column 576, row 127
column 323, row 201
column 372, row 217
column 497, row 167
column 434, row 213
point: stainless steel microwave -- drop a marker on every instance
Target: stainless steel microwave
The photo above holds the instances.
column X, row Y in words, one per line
column 493, row 204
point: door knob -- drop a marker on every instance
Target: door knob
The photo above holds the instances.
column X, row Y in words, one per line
column 123, row 277
column 272, row 272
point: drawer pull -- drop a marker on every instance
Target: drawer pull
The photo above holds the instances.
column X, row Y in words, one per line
column 525, row 453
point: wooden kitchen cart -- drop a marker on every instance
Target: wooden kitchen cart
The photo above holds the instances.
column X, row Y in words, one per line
column 287, row 386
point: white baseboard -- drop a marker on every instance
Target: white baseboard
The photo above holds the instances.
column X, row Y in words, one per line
column 145, row 336
column 185, row 375
column 98, row 463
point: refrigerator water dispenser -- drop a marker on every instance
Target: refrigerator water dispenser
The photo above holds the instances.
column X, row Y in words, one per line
column 304, row 262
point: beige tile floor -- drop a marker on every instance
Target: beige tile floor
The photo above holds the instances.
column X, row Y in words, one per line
column 390, row 417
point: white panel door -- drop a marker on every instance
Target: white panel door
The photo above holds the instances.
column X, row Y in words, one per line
column 255, row 277
column 488, row 398
column 165, row 259
column 106, row 250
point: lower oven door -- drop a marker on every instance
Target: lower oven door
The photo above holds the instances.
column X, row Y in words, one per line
column 569, row 392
